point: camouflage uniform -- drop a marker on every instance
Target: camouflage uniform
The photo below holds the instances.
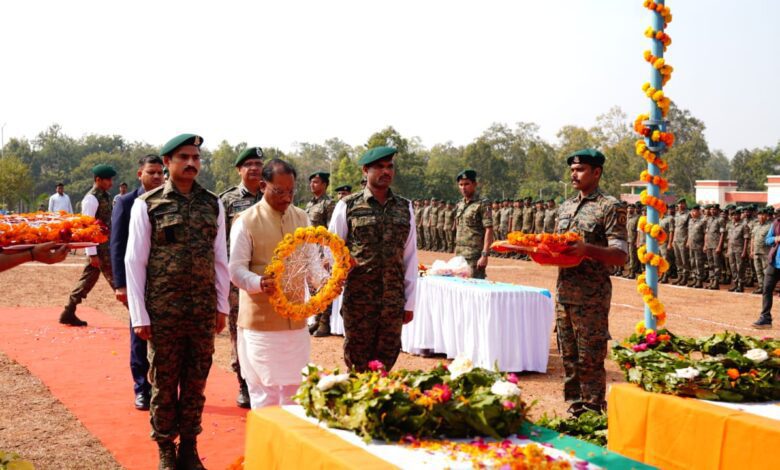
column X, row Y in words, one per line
column 633, row 244
column 696, row 231
column 449, row 219
column 583, row 296
column 235, row 200
column 473, row 218
column 418, row 210
column 91, row 274
column 528, row 219
column 374, row 300
column 760, row 250
column 517, row 219
column 681, row 252
column 319, row 210
column 550, row 217
column 433, row 218
column 667, row 224
column 506, row 219
column 715, row 230
column 440, row 222
column 539, row 221
column 737, row 235
column 426, row 213
column 181, row 300
column 496, row 219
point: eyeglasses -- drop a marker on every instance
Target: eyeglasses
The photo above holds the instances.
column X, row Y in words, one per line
column 279, row 192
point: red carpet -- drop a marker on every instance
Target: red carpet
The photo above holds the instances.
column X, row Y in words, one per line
column 88, row 370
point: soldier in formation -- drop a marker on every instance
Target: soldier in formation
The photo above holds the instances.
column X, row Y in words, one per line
column 474, row 221
column 320, row 209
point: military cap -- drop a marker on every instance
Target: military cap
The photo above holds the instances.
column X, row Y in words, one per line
column 696, row 206
column 638, row 204
column 588, row 156
column 752, row 207
column 103, row 171
column 740, row 210
column 528, row 199
column 468, row 174
column 729, row 207
column 681, row 201
column 716, row 206
column 247, row 153
column 346, row 187
column 324, row 176
column 376, row 153
column 180, row 140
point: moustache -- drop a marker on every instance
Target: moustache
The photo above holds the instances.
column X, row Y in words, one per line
column 191, row 168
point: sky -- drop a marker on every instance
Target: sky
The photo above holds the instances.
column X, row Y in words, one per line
column 277, row 73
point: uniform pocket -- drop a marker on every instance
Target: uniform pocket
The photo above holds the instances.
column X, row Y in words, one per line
column 169, row 228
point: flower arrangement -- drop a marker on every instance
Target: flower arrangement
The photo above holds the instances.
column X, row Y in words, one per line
column 43, row 227
column 724, row 367
column 500, row 454
column 590, row 426
column 543, row 248
column 332, row 288
column 458, row 401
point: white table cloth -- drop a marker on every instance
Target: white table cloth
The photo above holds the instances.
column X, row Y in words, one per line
column 490, row 323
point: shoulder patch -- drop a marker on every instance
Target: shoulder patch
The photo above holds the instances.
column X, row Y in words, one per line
column 154, row 192
column 227, row 191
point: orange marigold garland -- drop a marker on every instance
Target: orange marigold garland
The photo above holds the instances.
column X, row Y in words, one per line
column 332, row 288
column 42, row 227
column 655, row 305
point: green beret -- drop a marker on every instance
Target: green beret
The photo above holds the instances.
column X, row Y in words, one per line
column 103, row 171
column 682, row 201
column 707, row 206
column 716, row 206
column 528, row 199
column 180, row 140
column 375, row 154
column 696, row 206
column 324, row 176
column 468, row 174
column 346, row 187
column 729, row 207
column 589, row 156
column 247, row 153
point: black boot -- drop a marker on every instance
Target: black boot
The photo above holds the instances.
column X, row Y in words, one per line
column 242, row 400
column 167, row 455
column 188, row 458
column 68, row 316
column 763, row 323
column 313, row 327
column 323, row 325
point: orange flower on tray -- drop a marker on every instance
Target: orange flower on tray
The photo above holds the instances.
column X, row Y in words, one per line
column 41, row 227
column 543, row 248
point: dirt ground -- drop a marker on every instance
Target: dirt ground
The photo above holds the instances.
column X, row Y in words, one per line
column 36, row 425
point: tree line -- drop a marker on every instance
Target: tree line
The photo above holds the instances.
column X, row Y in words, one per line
column 512, row 161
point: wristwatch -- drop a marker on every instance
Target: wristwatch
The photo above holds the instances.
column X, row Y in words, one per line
column 485, row 253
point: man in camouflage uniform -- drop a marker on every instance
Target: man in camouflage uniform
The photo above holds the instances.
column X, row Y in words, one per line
column 697, row 228
column 752, row 221
column 320, row 209
column 550, row 216
column 679, row 241
column 177, row 291
column 418, row 209
column 235, row 200
column 96, row 203
column 631, row 226
column 506, row 218
column 667, row 224
column 449, row 223
column 434, row 219
column 440, row 224
column 496, row 219
column 426, row 211
column 714, row 245
column 758, row 249
column 528, row 216
column 584, row 292
column 516, row 223
column 738, row 244
column 379, row 293
column 539, row 217
column 475, row 225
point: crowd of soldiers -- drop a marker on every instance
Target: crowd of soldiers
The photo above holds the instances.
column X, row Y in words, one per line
column 437, row 224
column 707, row 247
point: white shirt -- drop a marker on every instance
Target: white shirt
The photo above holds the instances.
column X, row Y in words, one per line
column 137, row 259
column 89, row 206
column 60, row 203
column 338, row 225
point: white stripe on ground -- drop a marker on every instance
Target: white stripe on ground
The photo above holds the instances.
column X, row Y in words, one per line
column 59, row 265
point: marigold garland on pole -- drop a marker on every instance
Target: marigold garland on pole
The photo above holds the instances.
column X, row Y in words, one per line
column 656, row 141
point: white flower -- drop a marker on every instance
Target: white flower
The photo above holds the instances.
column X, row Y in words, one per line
column 311, row 365
column 461, row 365
column 687, row 373
column 505, row 389
column 757, row 355
column 328, row 381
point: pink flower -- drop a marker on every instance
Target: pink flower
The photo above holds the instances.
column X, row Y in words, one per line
column 441, row 393
column 512, row 378
column 508, row 405
column 640, row 347
column 651, row 338
column 376, row 365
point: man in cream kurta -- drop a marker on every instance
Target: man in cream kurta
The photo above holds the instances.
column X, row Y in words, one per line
column 272, row 350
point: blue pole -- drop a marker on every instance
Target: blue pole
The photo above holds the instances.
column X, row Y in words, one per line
column 656, row 122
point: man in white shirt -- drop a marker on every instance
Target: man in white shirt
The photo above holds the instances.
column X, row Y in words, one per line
column 97, row 204
column 272, row 349
column 379, row 295
column 59, row 201
column 177, row 293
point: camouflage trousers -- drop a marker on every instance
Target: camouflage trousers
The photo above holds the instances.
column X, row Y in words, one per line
column 759, row 265
column 714, row 262
column 633, row 259
column 180, row 355
column 450, row 241
column 372, row 331
column 90, row 276
column 427, row 232
column 583, row 332
column 420, row 237
column 682, row 259
column 738, row 265
column 233, row 330
column 699, row 264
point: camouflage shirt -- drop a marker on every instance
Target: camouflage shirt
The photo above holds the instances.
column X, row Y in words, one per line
column 105, row 205
column 496, row 218
column 440, row 219
column 737, row 234
column 426, row 213
column 319, row 210
column 759, row 237
column 631, row 226
column 418, row 216
column 528, row 219
column 517, row 219
column 715, row 228
column 667, row 223
column 181, row 277
column 681, row 227
column 433, row 217
column 449, row 218
column 550, row 216
column 539, row 221
column 696, row 231
column 601, row 221
column 506, row 217
column 473, row 218
column 236, row 200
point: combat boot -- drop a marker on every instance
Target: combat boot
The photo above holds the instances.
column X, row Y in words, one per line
column 242, row 400
column 763, row 323
column 68, row 316
column 323, row 325
column 313, row 327
column 664, row 279
column 714, row 285
column 167, row 455
column 758, row 290
column 188, row 458
column 739, row 289
column 697, row 285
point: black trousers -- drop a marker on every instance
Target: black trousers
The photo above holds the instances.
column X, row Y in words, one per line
column 771, row 278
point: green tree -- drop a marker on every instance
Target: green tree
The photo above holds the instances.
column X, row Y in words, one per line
column 690, row 155
column 346, row 171
column 223, row 165
column 719, row 166
column 15, row 181
column 409, row 165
